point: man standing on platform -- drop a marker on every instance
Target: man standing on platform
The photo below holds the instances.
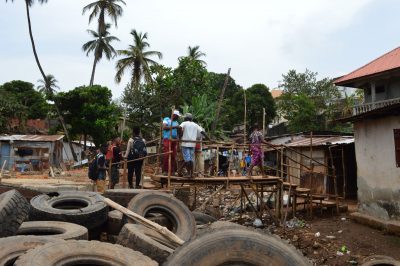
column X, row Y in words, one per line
column 190, row 132
column 167, row 126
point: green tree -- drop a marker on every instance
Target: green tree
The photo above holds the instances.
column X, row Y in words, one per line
column 48, row 87
column 28, row 4
column 323, row 94
column 137, row 59
column 101, row 8
column 101, row 44
column 301, row 115
column 90, row 112
column 23, row 94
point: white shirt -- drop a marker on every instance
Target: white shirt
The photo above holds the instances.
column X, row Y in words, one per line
column 190, row 132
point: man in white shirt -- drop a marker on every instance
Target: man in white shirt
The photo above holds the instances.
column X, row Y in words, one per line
column 190, row 132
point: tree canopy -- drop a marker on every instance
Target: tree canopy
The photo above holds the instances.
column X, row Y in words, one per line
column 90, row 112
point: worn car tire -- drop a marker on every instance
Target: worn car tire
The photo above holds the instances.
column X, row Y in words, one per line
column 237, row 247
column 14, row 210
column 177, row 213
column 122, row 196
column 161, row 220
column 14, row 246
column 134, row 236
column 377, row 260
column 61, row 230
column 114, row 222
column 82, row 252
column 84, row 208
column 202, row 218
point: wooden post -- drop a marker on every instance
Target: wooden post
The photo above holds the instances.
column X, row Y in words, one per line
column 169, row 149
column 221, row 98
column 344, row 174
column 124, row 174
column 2, row 169
column 217, row 159
column 245, row 117
column 311, row 163
column 334, row 180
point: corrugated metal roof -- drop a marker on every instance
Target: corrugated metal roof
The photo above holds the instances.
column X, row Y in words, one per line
column 386, row 62
column 48, row 138
column 320, row 141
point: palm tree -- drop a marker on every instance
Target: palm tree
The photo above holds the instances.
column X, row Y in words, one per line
column 28, row 4
column 103, row 7
column 100, row 45
column 195, row 54
column 137, row 59
column 48, row 86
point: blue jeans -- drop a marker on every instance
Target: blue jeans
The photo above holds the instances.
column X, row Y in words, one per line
column 188, row 154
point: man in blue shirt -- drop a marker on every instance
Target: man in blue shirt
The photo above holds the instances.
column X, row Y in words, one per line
column 167, row 126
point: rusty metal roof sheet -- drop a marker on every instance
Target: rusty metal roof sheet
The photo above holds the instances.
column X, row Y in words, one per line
column 320, row 141
column 386, row 62
column 45, row 138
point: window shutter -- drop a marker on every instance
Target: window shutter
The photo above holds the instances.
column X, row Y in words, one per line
column 397, row 145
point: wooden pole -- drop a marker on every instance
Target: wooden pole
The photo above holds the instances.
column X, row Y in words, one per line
column 311, row 161
column 344, row 174
column 169, row 149
column 262, row 147
column 160, row 229
column 124, row 174
column 221, row 98
column 2, row 169
column 334, row 180
column 245, row 117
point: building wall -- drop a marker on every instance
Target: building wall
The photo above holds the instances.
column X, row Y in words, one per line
column 378, row 178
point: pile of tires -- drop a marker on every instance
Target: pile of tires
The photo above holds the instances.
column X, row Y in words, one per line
column 60, row 226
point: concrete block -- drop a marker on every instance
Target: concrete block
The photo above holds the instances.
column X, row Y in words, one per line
column 393, row 227
column 368, row 220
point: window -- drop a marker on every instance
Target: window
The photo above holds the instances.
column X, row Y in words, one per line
column 397, row 145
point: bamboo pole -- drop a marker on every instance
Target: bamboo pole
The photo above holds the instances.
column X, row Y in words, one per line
column 124, row 174
column 344, row 174
column 311, row 158
column 334, row 180
column 245, row 117
column 221, row 98
column 2, row 169
column 152, row 225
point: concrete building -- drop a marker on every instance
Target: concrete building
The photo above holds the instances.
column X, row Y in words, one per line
column 377, row 135
column 31, row 151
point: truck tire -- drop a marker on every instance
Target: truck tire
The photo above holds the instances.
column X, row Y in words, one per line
column 134, row 236
column 114, row 222
column 202, row 218
column 14, row 246
column 83, row 208
column 377, row 260
column 122, row 196
column 14, row 210
column 184, row 225
column 61, row 230
column 82, row 252
column 236, row 247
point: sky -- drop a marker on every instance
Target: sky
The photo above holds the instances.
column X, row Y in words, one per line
column 258, row 39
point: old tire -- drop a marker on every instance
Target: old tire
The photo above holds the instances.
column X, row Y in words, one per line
column 61, row 230
column 114, row 222
column 161, row 220
column 177, row 213
column 122, row 196
column 134, row 236
column 14, row 246
column 14, row 210
column 378, row 260
column 237, row 247
column 202, row 218
column 82, row 252
column 83, row 208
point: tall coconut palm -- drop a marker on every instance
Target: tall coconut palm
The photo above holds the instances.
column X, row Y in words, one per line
column 195, row 53
column 49, row 87
column 137, row 60
column 101, row 8
column 99, row 46
column 28, row 4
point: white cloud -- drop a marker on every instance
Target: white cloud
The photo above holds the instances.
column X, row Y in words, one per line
column 258, row 39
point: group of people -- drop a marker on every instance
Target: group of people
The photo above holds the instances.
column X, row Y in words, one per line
column 111, row 153
column 190, row 134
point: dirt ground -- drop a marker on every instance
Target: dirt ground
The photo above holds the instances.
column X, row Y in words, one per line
column 361, row 241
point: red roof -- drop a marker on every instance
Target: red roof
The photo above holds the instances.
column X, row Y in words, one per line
column 386, row 62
